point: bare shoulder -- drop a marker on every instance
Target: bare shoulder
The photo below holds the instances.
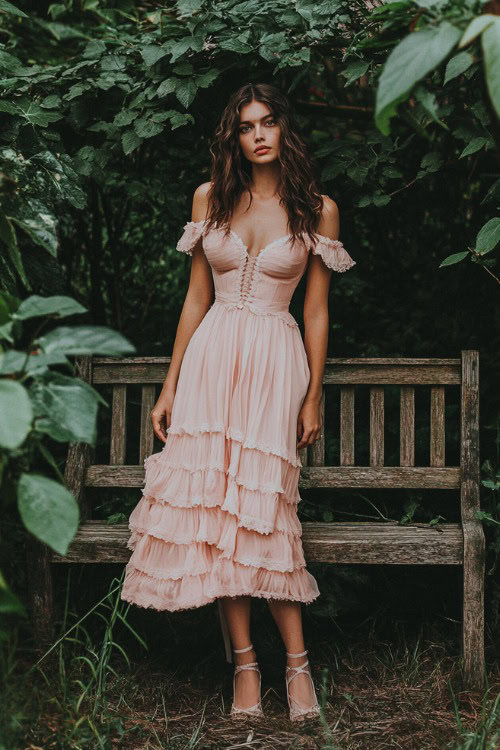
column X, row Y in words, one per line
column 329, row 224
column 200, row 202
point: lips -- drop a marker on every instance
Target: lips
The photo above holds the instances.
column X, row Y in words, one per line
column 262, row 150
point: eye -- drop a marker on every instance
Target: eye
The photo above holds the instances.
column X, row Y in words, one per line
column 271, row 120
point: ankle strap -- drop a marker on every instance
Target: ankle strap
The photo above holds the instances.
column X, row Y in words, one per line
column 296, row 655
column 241, row 650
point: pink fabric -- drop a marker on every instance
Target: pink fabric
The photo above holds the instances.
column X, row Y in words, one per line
column 218, row 513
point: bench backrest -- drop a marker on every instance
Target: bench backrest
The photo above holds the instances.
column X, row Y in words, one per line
column 347, row 373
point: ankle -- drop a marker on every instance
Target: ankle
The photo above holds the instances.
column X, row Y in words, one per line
column 245, row 658
column 295, row 661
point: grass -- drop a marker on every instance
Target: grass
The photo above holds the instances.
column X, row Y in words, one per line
column 109, row 683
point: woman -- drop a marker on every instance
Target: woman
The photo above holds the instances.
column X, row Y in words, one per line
column 218, row 517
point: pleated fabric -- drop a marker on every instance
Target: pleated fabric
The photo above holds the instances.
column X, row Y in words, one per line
column 218, row 513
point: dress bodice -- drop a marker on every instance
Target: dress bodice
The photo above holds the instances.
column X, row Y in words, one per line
column 264, row 282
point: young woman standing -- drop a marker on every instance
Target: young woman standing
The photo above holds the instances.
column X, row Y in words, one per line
column 218, row 517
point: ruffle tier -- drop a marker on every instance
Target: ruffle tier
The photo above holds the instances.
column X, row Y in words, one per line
column 215, row 519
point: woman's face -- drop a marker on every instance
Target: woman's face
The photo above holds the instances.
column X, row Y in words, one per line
column 258, row 128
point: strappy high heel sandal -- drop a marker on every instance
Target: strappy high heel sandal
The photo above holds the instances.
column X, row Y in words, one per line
column 298, row 712
column 256, row 710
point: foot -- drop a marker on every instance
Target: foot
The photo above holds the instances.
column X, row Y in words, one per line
column 301, row 688
column 246, row 682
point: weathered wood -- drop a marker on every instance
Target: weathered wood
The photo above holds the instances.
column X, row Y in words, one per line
column 394, row 373
column 341, row 371
column 344, row 542
column 358, row 542
column 304, row 458
column 146, row 440
column 347, row 425
column 407, row 425
column 377, row 425
column 437, row 426
column 474, row 542
column 317, row 449
column 40, row 587
column 40, row 591
column 118, row 425
column 80, row 455
column 394, row 477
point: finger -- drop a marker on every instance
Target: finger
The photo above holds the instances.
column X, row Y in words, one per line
column 304, row 439
column 158, row 428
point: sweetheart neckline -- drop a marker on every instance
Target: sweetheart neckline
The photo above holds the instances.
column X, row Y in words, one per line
column 242, row 245
column 266, row 247
column 244, row 248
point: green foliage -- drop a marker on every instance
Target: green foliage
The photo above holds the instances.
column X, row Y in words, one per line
column 37, row 402
column 106, row 112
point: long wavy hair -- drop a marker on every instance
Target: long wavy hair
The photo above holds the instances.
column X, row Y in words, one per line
column 231, row 172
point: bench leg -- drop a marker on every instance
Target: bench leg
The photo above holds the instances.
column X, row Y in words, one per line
column 40, row 592
column 473, row 606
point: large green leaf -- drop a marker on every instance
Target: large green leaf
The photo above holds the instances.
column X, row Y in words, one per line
column 41, row 230
column 457, row 65
column 85, row 340
column 15, row 361
column 57, row 305
column 490, row 41
column 7, row 7
column 476, row 27
column 8, row 235
column 17, row 414
column 488, row 236
column 65, row 408
column 410, row 61
column 48, row 510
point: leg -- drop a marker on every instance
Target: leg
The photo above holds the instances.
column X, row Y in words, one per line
column 288, row 618
column 237, row 614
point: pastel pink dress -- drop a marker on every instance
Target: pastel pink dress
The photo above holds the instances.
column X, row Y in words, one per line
column 218, row 515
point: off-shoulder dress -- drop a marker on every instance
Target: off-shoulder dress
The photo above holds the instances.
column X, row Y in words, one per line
column 218, row 513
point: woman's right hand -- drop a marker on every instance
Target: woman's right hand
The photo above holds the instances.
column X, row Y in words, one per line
column 160, row 416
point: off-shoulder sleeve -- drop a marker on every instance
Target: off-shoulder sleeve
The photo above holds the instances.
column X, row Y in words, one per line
column 333, row 253
column 190, row 236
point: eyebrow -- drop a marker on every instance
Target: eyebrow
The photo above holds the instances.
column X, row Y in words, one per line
column 249, row 122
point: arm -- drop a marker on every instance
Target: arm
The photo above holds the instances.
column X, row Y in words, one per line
column 198, row 299
column 316, row 324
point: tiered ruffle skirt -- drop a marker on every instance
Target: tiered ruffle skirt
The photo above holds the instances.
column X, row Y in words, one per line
column 218, row 513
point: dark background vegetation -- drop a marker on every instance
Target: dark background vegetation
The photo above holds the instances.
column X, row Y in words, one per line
column 105, row 124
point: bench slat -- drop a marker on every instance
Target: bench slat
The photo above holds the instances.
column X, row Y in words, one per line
column 347, row 425
column 339, row 371
column 343, row 477
column 146, row 438
column 377, row 425
column 118, row 425
column 437, row 426
column 344, row 542
column 407, row 425
column 317, row 449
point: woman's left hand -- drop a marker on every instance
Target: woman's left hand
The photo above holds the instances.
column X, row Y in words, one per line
column 308, row 423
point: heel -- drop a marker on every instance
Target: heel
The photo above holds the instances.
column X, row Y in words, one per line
column 256, row 710
column 298, row 712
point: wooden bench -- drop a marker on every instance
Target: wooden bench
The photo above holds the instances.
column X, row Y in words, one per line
column 343, row 542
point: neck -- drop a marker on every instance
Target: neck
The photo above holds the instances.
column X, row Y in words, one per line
column 265, row 180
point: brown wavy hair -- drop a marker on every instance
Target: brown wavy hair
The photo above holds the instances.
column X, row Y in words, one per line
column 231, row 173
